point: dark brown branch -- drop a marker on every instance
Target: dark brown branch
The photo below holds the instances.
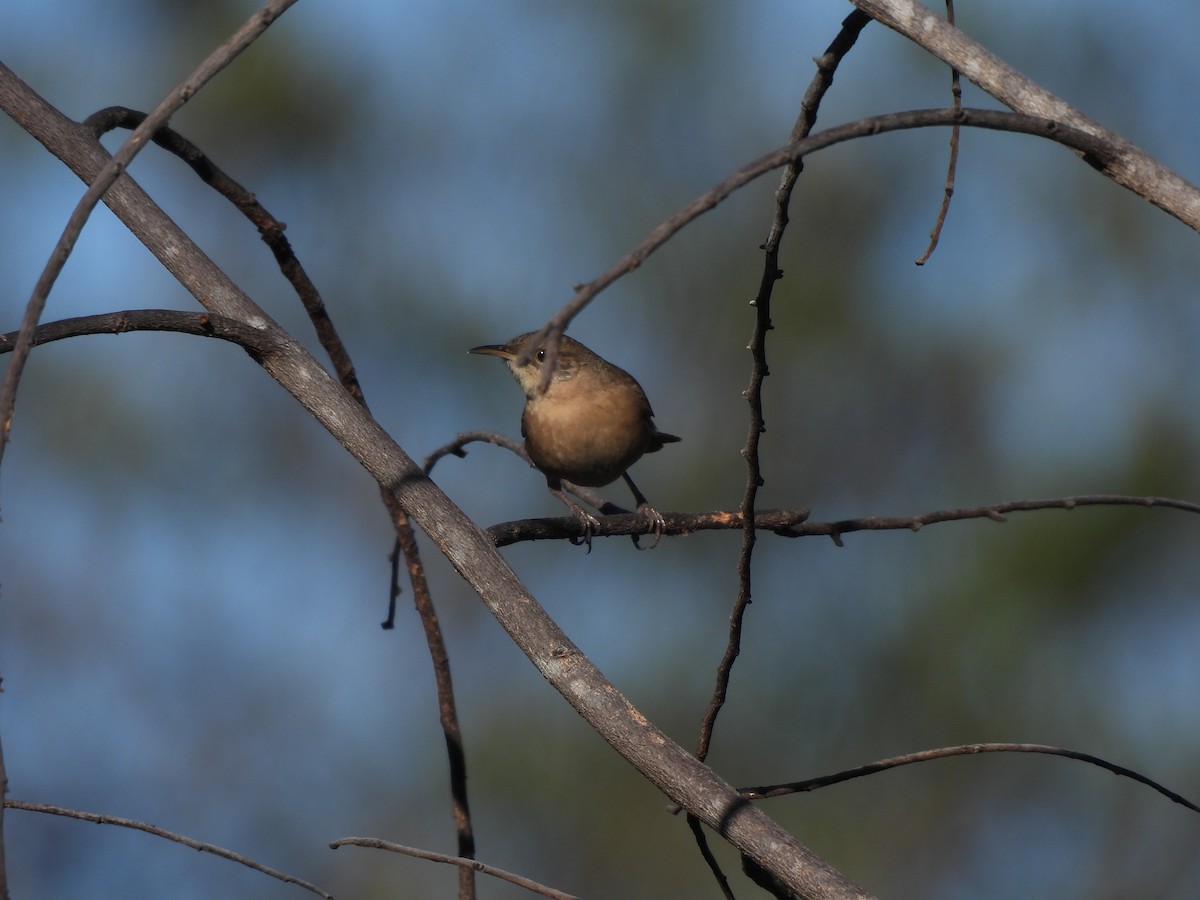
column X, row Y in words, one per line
column 101, row 819
column 269, row 228
column 1095, row 151
column 822, row 80
column 795, row 522
column 406, row 542
column 627, row 523
column 105, row 178
column 255, row 341
column 827, row 64
column 474, row 864
column 996, row 512
column 948, row 191
column 812, row 784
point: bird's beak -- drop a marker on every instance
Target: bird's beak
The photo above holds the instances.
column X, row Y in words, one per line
column 500, row 350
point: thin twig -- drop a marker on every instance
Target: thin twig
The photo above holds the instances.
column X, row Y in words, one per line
column 795, row 522
column 447, row 709
column 476, row 865
column 1098, row 153
column 710, row 860
column 826, row 66
column 101, row 819
column 948, row 191
column 812, row 784
column 213, row 64
column 996, row 512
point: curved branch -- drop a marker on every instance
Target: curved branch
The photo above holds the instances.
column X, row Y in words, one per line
column 1096, row 151
column 812, row 784
column 255, row 341
column 102, row 819
column 474, row 864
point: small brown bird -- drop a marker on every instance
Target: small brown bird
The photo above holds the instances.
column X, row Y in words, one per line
column 589, row 426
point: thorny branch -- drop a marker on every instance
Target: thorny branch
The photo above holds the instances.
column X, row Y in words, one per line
column 827, row 64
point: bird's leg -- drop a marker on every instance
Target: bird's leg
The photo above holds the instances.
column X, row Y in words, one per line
column 587, row 521
column 653, row 517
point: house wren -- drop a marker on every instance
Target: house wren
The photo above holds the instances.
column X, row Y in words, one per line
column 589, row 426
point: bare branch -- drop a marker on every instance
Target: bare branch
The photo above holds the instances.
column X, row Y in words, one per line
column 1125, row 163
column 827, row 65
column 812, row 784
column 627, row 523
column 996, row 512
column 948, row 191
column 253, row 340
column 406, row 542
column 101, row 819
column 474, row 864
column 795, row 522
column 1095, row 151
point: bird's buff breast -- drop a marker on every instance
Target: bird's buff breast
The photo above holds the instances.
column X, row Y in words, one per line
column 589, row 439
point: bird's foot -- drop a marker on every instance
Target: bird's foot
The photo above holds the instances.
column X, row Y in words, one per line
column 590, row 525
column 655, row 523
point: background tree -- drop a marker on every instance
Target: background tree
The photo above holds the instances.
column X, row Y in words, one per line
column 193, row 570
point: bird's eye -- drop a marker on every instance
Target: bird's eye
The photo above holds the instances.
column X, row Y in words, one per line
column 541, row 354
